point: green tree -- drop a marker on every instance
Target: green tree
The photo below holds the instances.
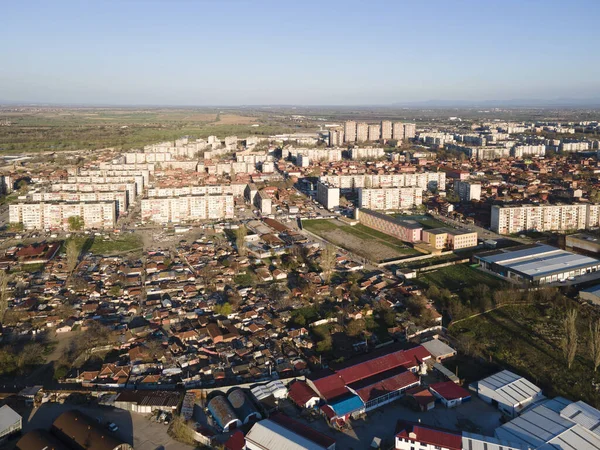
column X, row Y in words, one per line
column 356, row 327
column 328, row 261
column 4, row 278
column 76, row 223
column 240, row 239
column 595, row 343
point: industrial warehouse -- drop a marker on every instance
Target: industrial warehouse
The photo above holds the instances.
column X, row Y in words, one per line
column 537, row 264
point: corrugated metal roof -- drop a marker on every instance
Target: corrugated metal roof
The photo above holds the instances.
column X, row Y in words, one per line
column 471, row 441
column 583, row 414
column 544, row 428
column 510, row 388
column 8, row 417
column 272, row 436
column 541, row 260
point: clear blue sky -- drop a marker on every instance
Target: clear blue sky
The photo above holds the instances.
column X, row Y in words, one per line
column 233, row 52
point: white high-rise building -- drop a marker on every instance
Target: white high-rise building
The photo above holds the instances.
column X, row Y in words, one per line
column 350, row 131
column 374, row 132
column 410, row 130
column 398, row 131
column 362, row 132
column 389, row 198
column 386, row 129
column 467, row 190
column 55, row 215
column 328, row 195
column 515, row 219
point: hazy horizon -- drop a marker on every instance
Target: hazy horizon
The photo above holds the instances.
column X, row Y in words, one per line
column 239, row 53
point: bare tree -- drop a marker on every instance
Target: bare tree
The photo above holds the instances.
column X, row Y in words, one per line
column 570, row 337
column 595, row 343
column 328, row 261
column 72, row 255
column 240, row 239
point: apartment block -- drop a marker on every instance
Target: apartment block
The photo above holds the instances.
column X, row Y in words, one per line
column 328, row 195
column 515, row 219
column 336, row 138
column 410, row 130
column 102, row 179
column 350, row 131
column 55, row 215
column 424, row 180
column 362, row 132
column 263, row 202
column 467, row 191
column 520, row 151
column 389, row 198
column 110, row 196
column 317, row 154
column 374, row 132
column 187, row 208
column 398, row 131
column 386, row 129
column 129, row 188
column 448, row 238
column 366, row 153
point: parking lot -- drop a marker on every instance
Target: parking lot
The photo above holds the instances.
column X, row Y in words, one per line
column 473, row 416
column 135, row 429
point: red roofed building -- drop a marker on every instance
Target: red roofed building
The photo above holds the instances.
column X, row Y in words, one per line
column 410, row 436
column 450, row 393
column 302, row 395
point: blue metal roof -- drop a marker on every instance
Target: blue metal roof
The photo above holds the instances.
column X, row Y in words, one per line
column 346, row 405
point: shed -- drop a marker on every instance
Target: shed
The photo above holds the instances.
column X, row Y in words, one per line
column 439, row 350
column 223, row 413
column 302, row 395
column 450, row 393
column 39, row 440
column 508, row 391
column 243, row 406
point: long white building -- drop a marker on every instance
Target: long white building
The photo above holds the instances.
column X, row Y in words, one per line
column 389, row 198
column 366, row 152
column 515, row 219
column 424, row 180
column 129, row 188
column 109, row 196
column 187, row 208
column 55, row 215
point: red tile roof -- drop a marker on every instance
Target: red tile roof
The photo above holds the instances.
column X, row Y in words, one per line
column 450, row 390
column 387, row 385
column 301, row 393
column 431, row 436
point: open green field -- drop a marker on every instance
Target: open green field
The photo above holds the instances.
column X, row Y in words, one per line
column 125, row 128
column 527, row 340
column 109, row 246
column 459, row 276
column 359, row 239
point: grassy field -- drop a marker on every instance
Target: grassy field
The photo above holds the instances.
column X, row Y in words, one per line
column 79, row 129
column 359, row 239
column 526, row 339
column 111, row 246
column 459, row 276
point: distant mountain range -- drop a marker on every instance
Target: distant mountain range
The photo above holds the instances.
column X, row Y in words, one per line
column 592, row 102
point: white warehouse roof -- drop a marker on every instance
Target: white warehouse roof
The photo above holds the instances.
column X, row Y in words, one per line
column 540, row 260
column 510, row 388
column 269, row 435
column 8, row 417
column 544, row 428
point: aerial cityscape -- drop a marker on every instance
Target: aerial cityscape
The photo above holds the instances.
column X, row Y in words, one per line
column 213, row 237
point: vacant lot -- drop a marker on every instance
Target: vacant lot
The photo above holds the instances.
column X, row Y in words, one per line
column 527, row 339
column 458, row 277
column 109, row 246
column 363, row 241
